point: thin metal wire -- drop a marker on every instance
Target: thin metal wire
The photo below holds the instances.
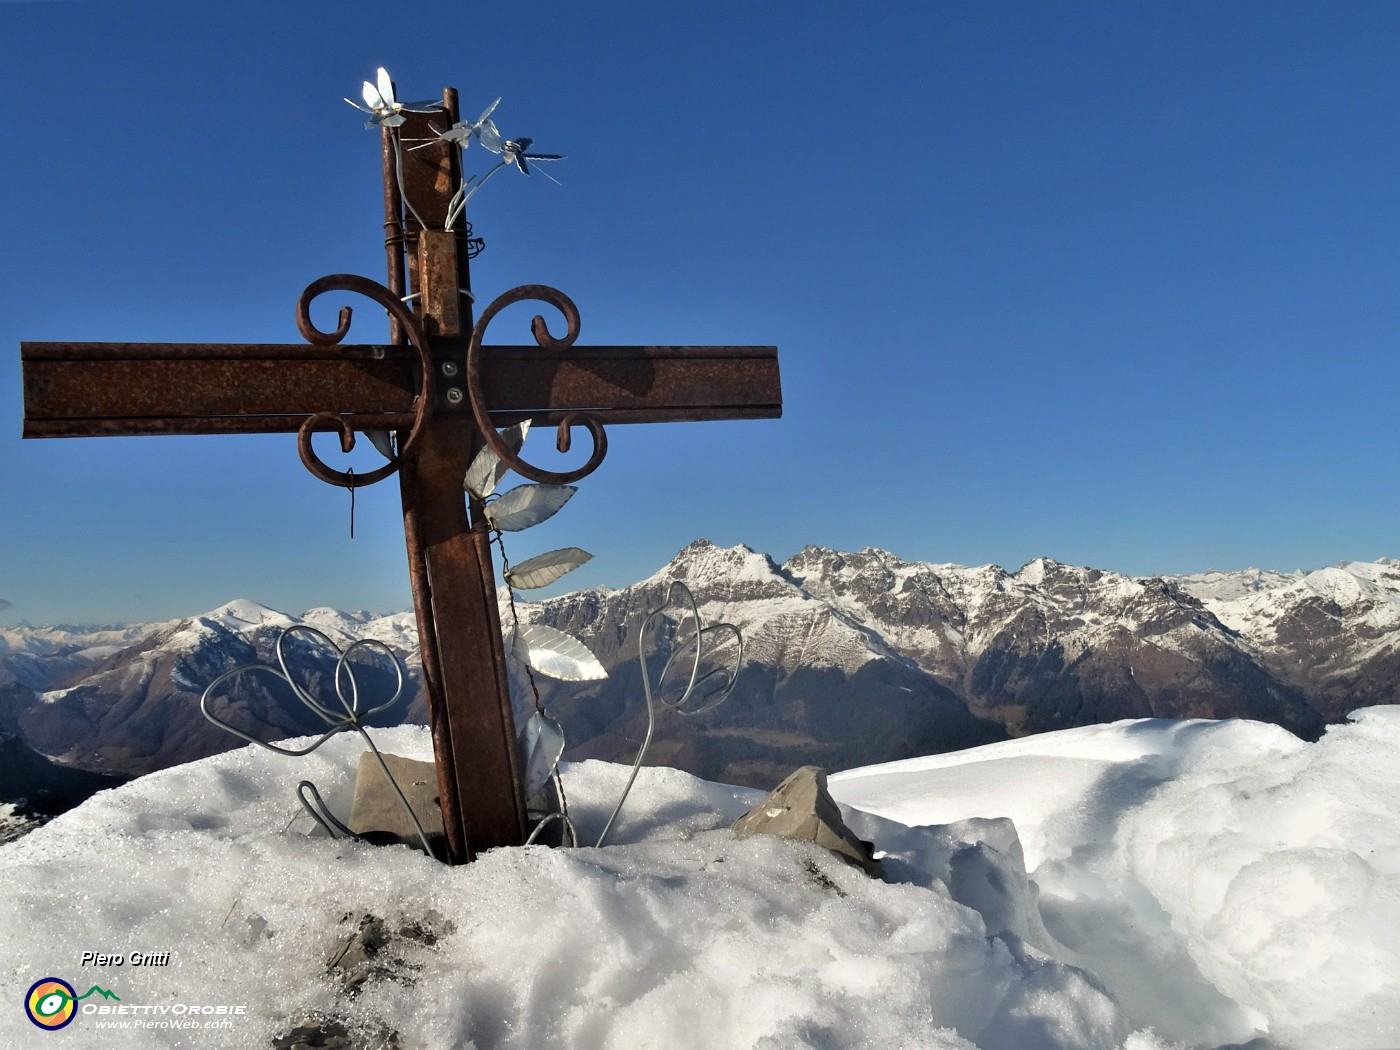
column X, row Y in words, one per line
column 353, row 718
column 710, row 700
column 563, row 812
column 515, row 618
column 318, row 811
column 398, row 173
column 568, row 826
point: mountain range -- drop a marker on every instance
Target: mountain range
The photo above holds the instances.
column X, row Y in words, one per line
column 849, row 659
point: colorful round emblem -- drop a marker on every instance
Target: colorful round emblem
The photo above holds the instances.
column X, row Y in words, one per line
column 51, row 1003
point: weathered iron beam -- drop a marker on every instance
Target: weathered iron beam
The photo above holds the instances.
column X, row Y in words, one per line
column 104, row 389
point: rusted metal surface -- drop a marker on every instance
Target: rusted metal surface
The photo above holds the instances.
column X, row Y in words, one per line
column 550, row 343
column 454, row 582
column 393, row 225
column 407, row 326
column 95, row 389
column 430, row 171
column 438, row 291
column 463, row 653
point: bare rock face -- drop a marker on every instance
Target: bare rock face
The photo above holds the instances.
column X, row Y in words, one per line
column 853, row 658
column 817, row 684
column 802, row 808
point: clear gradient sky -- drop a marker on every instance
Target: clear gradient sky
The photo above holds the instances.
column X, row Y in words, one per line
column 1111, row 283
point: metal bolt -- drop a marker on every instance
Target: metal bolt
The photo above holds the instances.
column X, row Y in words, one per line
column 454, row 396
column 449, row 368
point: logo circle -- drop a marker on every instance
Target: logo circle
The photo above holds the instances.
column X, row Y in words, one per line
column 51, row 1003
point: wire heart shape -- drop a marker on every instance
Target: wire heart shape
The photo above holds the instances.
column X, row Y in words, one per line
column 707, row 700
column 352, row 718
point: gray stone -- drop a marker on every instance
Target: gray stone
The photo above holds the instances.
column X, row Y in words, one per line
column 378, row 816
column 802, row 808
column 329, row 1033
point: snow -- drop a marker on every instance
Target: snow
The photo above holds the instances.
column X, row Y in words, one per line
column 1214, row 585
column 1190, row 884
column 241, row 613
column 1369, row 591
column 707, row 564
column 89, row 642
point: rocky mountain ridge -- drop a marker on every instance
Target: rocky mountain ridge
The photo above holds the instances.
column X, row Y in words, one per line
column 850, row 658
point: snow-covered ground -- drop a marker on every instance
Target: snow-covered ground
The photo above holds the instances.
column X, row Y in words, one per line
column 1191, row 883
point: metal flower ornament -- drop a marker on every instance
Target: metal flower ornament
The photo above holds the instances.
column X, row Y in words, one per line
column 461, row 133
column 513, row 154
column 386, row 111
column 383, row 109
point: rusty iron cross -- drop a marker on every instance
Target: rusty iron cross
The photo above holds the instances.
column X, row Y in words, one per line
column 444, row 394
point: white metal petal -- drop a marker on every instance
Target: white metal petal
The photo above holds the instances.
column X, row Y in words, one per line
column 544, row 569
column 527, row 505
column 386, row 86
column 489, row 136
column 485, row 113
column 487, row 470
column 556, row 654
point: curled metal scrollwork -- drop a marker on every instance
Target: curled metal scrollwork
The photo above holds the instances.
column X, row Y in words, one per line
column 481, row 412
column 344, row 282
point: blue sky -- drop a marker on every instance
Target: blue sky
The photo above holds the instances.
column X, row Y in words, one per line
column 1110, row 283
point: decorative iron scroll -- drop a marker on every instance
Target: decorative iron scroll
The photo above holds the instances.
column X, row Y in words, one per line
column 345, row 282
column 543, row 338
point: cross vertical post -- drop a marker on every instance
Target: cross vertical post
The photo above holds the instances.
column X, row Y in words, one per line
column 449, row 553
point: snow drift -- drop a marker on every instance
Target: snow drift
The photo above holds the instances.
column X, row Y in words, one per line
column 1142, row 885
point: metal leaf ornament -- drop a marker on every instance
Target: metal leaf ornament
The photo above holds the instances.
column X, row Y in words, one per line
column 383, row 441
column 487, row 470
column 544, row 569
column 554, row 653
column 527, row 505
column 541, row 744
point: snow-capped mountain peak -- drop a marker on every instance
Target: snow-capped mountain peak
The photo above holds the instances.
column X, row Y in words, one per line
column 945, row 656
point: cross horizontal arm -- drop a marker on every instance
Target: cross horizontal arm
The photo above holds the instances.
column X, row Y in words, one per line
column 110, row 389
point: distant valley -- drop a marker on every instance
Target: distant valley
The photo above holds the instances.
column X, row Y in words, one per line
column 851, row 658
